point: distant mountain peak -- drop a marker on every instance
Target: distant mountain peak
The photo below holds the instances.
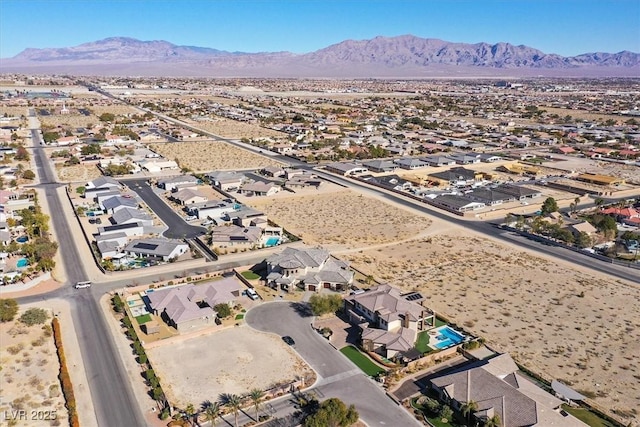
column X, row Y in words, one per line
column 397, row 56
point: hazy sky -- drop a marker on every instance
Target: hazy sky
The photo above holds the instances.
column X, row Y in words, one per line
column 566, row 27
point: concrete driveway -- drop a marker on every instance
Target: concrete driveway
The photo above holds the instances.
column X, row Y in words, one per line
column 337, row 376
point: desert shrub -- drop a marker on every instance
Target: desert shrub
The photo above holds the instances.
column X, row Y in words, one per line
column 8, row 309
column 34, row 316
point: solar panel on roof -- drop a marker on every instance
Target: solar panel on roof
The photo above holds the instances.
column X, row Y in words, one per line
column 146, row 246
column 413, row 297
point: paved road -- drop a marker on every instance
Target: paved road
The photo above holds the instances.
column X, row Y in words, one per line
column 177, row 227
column 338, row 376
column 110, row 388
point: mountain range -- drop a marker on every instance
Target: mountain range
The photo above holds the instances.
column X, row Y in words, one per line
column 381, row 57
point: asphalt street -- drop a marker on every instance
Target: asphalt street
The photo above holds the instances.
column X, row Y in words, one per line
column 177, row 227
column 110, row 388
column 338, row 376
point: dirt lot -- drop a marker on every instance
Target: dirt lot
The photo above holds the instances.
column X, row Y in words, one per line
column 552, row 317
column 208, row 156
column 29, row 378
column 77, row 173
column 234, row 129
column 344, row 217
column 234, row 360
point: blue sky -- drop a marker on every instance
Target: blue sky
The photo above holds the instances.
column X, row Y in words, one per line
column 566, row 27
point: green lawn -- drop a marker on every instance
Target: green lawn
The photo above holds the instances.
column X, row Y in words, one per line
column 239, row 316
column 422, row 343
column 250, row 275
column 143, row 319
column 587, row 417
column 362, row 361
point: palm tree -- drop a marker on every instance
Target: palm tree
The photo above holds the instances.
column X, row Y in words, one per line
column 189, row 413
column 232, row 401
column 211, row 412
column 256, row 395
column 468, row 409
column 494, row 421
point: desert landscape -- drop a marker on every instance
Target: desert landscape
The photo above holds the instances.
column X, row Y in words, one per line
column 207, row 156
column 234, row 360
column 77, row 173
column 29, row 375
column 342, row 219
column 233, row 129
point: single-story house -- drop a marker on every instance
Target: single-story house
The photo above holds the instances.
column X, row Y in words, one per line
column 410, row 163
column 234, row 236
column 164, row 249
column 458, row 203
column 130, row 229
column 115, row 203
column 170, row 184
column 226, row 180
column 130, row 215
column 102, row 182
column 438, row 161
column 380, row 166
column 188, row 196
column 259, row 188
column 464, row 159
column 346, row 168
column 189, row 307
column 155, row 165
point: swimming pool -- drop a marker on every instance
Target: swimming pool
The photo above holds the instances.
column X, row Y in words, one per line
column 446, row 337
column 22, row 262
column 272, row 241
column 22, row 239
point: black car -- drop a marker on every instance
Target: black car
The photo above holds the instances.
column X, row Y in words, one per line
column 288, row 340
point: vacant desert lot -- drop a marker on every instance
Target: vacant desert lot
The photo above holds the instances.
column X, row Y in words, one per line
column 558, row 320
column 234, row 129
column 230, row 361
column 207, row 156
column 77, row 173
column 29, row 375
column 344, row 218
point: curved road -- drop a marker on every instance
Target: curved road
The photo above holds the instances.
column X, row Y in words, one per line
column 337, row 375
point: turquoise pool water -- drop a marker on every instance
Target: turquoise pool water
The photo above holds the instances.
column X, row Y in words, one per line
column 448, row 337
column 22, row 262
column 272, row 241
column 22, row 239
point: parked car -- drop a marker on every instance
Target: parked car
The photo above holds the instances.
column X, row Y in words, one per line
column 251, row 293
column 287, row 339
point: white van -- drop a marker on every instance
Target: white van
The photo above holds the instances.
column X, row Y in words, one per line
column 83, row 285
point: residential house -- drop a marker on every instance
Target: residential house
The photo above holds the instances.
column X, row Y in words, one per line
column 130, row 229
column 190, row 307
column 115, row 203
column 171, row 184
column 273, row 171
column 103, row 182
column 380, row 166
column 458, row 203
column 346, row 169
column 131, row 216
column 155, row 248
column 520, row 192
column 226, row 180
column 310, row 269
column 597, row 179
column 582, row 227
column 188, row 196
column 156, row 165
column 490, row 197
column 464, row 159
column 244, row 216
column 489, row 158
column 389, row 320
column 212, row 209
column 234, row 236
column 393, row 182
column 109, row 245
column 438, row 161
column 459, row 177
column 410, row 163
column 259, row 188
column 498, row 389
